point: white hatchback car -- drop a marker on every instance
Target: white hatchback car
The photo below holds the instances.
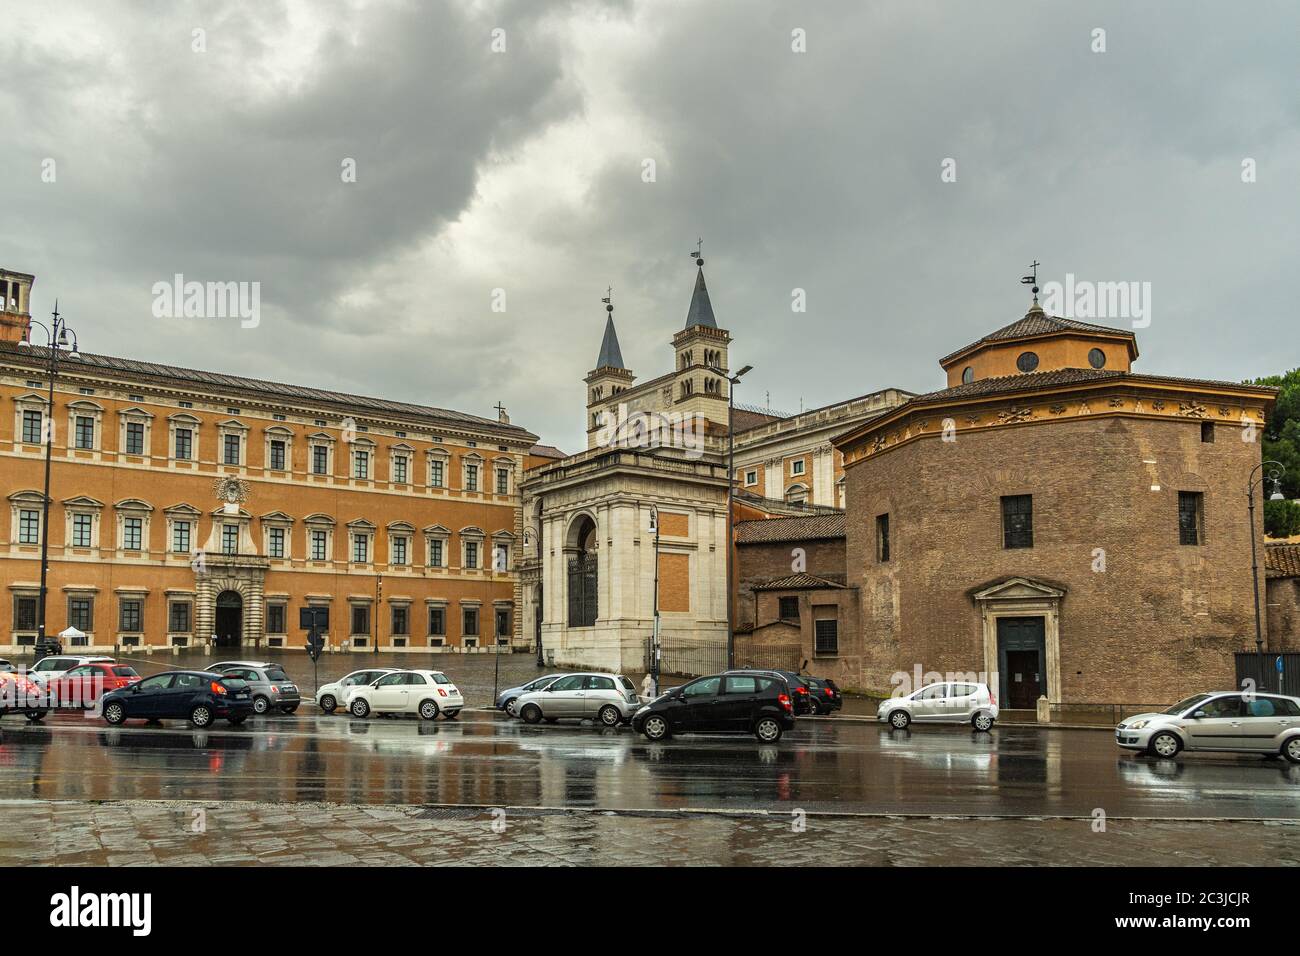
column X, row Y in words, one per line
column 427, row 693
column 955, row 702
column 608, row 699
column 329, row 696
column 1227, row 721
column 48, row 668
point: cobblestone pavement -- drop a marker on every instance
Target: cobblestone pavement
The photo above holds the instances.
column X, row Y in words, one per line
column 148, row 833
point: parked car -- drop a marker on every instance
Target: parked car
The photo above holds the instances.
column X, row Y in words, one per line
column 271, row 688
column 48, row 668
column 825, row 695
column 1219, row 721
column 329, row 696
column 954, row 702
column 427, row 693
column 506, row 699
column 737, row 702
column 20, row 694
column 608, row 699
column 85, row 684
column 7, row 666
column 800, row 692
column 198, row 696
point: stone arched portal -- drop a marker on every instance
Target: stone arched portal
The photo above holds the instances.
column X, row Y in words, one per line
column 224, row 582
column 583, row 577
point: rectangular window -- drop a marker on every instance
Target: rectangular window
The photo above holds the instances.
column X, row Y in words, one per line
column 471, row 477
column 32, row 428
column 320, row 460
column 135, row 438
column 1207, row 432
column 129, row 616
column 275, row 619
column 1017, row 521
column 399, row 469
column 470, row 622
column 29, row 527
column 360, row 548
column 501, row 557
column 796, row 467
column 471, row 554
column 85, row 431
column 401, row 620
column 132, row 532
column 1190, row 517
column 503, row 481
column 361, row 464
column 277, row 455
column 789, row 608
column 178, row 617
column 181, row 537
column 437, row 622
column 24, row 614
column 230, row 539
column 184, row 444
column 400, row 549
column 81, row 613
column 230, row 449
column 826, row 637
column 882, row 538
column 751, row 478
column 435, row 474
column 318, row 552
column 435, row 553
column 503, row 625
column 275, row 543
column 81, row 526
column 360, row 619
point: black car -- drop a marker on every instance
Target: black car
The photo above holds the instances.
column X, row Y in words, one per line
column 737, row 702
column 800, row 692
column 825, row 695
column 198, row 696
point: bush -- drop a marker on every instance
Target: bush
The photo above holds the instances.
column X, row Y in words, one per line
column 1281, row 518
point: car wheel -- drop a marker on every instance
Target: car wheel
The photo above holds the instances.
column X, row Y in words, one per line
column 236, row 721
column 328, row 704
column 1165, row 744
column 982, row 721
column 428, row 710
column 1291, row 750
column 609, row 715
column 899, row 719
column 35, row 716
column 814, row 709
column 531, row 713
column 655, row 727
column 114, row 713
column 767, row 730
column 509, row 707
column 261, row 705
column 360, row 707
column 201, row 716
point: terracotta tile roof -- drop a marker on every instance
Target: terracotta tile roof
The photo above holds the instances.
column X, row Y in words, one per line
column 816, row 527
column 798, row 582
column 546, row 451
column 1282, row 560
column 1038, row 322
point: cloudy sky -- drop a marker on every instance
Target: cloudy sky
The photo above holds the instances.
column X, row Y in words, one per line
column 549, row 149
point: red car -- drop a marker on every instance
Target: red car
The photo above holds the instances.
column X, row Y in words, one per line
column 86, row 683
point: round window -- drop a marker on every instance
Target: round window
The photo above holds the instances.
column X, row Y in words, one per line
column 967, row 375
column 1097, row 358
column 1027, row 362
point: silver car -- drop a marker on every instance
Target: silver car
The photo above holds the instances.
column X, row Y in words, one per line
column 952, row 702
column 271, row 687
column 608, row 699
column 1226, row 721
column 506, row 699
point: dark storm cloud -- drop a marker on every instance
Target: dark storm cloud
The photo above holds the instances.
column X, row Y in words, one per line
column 816, row 170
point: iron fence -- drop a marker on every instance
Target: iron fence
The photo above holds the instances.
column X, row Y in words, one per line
column 692, row 659
column 1264, row 671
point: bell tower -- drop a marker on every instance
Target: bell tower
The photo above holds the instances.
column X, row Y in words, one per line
column 608, row 378
column 700, row 353
column 15, row 305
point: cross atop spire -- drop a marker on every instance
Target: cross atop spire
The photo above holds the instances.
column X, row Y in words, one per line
column 1032, row 279
column 611, row 356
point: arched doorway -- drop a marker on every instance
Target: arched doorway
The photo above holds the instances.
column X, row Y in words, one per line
column 230, row 619
column 583, row 580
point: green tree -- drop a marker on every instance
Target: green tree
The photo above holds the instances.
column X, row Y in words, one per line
column 1282, row 432
column 1281, row 518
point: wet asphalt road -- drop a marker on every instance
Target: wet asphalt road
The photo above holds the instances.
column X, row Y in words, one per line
column 826, row 764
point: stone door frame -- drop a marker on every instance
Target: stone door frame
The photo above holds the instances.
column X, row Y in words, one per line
column 1022, row 597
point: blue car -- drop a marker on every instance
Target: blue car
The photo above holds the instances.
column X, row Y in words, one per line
column 200, row 697
column 506, row 699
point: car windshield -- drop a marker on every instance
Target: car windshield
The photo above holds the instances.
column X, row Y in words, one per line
column 1182, row 705
column 276, row 674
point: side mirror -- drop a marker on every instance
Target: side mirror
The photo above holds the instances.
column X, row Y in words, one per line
column 1200, row 714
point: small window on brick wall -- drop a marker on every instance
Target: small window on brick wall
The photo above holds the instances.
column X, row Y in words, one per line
column 789, row 608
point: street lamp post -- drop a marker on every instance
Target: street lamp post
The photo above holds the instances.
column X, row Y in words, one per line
column 59, row 336
column 1275, row 472
column 654, row 637
column 731, row 483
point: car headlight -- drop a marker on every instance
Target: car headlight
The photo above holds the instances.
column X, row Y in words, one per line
column 1137, row 725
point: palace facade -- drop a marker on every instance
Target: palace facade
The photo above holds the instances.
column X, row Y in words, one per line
column 189, row 507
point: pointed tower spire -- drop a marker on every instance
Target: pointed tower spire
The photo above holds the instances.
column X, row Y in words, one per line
column 701, row 310
column 611, row 356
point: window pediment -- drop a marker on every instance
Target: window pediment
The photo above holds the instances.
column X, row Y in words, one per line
column 1018, row 589
column 503, row 535
column 437, row 529
column 85, row 406
column 31, row 398
column 27, row 496
column 404, row 526
column 83, row 502
column 472, row 532
column 182, row 509
column 361, row 524
column 279, row 431
column 277, row 517
column 135, row 412
column 184, row 418
column 319, row 520
column 231, row 424
column 133, row 504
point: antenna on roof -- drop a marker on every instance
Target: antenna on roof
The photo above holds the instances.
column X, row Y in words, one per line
column 1032, row 280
